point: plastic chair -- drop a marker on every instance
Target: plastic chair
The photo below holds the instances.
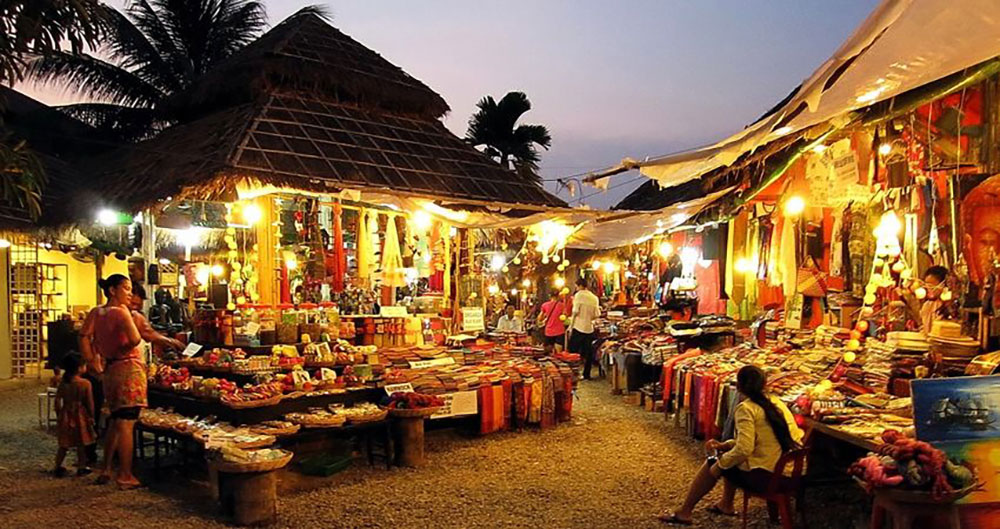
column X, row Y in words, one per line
column 781, row 489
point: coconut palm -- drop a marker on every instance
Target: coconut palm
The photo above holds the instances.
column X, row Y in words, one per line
column 154, row 49
column 494, row 125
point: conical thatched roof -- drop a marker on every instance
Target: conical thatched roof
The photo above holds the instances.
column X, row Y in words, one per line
column 364, row 124
column 305, row 53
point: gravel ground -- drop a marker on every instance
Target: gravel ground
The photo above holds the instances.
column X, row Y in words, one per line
column 613, row 466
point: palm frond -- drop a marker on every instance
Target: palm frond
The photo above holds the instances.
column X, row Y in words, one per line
column 533, row 134
column 133, row 51
column 22, row 177
column 94, row 78
column 123, row 123
column 147, row 19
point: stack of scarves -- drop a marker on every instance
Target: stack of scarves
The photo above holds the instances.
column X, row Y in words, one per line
column 544, row 401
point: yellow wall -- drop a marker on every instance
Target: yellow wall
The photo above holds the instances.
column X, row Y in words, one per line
column 83, row 276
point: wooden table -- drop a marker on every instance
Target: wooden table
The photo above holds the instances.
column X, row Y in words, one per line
column 841, row 435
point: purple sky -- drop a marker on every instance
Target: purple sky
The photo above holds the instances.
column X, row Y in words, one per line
column 609, row 79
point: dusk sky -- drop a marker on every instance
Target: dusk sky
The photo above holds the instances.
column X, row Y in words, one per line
column 609, row 79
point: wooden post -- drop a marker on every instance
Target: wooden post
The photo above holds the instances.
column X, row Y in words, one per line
column 409, row 441
column 266, row 252
column 6, row 354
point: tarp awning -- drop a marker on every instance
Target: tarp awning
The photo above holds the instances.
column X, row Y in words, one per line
column 902, row 45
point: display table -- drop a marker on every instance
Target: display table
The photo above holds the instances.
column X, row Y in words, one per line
column 840, row 435
column 193, row 406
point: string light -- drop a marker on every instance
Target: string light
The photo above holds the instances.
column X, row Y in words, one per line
column 665, row 249
column 497, row 262
column 526, row 283
column 252, row 214
column 559, row 282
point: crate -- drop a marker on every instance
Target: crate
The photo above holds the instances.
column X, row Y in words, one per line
column 325, row 464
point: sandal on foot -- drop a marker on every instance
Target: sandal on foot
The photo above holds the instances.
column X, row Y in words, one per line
column 715, row 509
column 128, row 485
column 672, row 519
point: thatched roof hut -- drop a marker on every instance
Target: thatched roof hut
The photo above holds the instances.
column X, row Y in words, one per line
column 306, row 107
column 59, row 142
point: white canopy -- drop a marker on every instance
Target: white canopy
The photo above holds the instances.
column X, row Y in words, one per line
column 902, row 45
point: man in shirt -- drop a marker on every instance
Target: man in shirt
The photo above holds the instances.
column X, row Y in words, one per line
column 509, row 322
column 586, row 309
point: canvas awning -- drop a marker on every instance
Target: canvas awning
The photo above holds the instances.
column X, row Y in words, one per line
column 902, row 45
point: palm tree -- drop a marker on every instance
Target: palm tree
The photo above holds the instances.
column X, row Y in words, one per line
column 36, row 28
column 494, row 125
column 153, row 50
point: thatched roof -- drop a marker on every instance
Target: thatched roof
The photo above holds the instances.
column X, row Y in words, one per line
column 305, row 53
column 59, row 142
column 300, row 142
column 343, row 117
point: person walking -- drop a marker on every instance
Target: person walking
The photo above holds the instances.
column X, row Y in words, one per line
column 113, row 335
column 586, row 309
column 75, row 412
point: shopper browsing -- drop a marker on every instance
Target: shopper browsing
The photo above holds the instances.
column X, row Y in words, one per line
column 113, row 335
column 586, row 309
column 550, row 317
column 75, row 412
column 765, row 429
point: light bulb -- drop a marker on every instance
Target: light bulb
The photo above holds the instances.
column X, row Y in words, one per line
column 559, row 282
column 291, row 264
column 609, row 267
column 920, row 292
column 493, row 290
column 218, row 270
column 665, row 249
column 556, row 258
column 497, row 262
column 252, row 214
column 850, row 357
column 795, row 206
column 946, row 295
column 517, row 260
column 107, row 217
column 526, row 283
column 885, row 149
column 4, row 243
column 596, row 265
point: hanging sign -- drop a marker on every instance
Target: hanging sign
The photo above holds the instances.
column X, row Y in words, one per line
column 472, row 319
column 458, row 404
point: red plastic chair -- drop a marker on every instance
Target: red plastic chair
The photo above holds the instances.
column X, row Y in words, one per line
column 781, row 489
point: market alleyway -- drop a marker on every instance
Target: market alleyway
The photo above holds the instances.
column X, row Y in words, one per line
column 613, row 466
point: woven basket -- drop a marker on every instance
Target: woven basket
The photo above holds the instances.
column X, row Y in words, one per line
column 368, row 418
column 334, row 421
column 277, row 432
column 411, row 413
column 259, row 403
column 256, row 466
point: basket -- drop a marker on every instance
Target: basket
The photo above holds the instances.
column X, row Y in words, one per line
column 255, row 466
column 258, row 403
column 413, row 413
column 333, row 421
column 277, row 432
column 368, row 418
column 902, row 495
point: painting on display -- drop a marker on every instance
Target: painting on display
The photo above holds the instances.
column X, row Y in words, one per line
column 956, row 409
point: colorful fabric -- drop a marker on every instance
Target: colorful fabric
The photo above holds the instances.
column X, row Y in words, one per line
column 392, row 261
column 339, row 258
column 125, row 384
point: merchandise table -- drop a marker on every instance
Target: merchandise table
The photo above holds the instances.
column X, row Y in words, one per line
column 840, row 435
column 193, row 406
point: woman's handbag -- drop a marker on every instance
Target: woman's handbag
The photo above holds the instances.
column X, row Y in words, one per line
column 810, row 281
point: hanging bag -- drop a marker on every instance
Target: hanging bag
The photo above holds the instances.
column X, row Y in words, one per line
column 810, row 281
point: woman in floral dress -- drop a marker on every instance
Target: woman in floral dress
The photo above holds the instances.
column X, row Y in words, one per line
column 114, row 336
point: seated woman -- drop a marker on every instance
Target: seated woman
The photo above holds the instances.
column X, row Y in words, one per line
column 765, row 429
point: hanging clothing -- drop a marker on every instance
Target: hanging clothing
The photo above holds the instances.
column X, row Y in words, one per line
column 392, row 261
column 339, row 258
column 365, row 253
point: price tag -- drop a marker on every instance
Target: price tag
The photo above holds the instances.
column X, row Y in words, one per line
column 405, row 387
column 393, row 311
column 251, row 328
column 423, row 364
column 191, row 350
column 472, row 319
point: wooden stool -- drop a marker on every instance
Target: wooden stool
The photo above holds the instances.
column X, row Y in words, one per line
column 904, row 514
column 251, row 498
column 409, row 441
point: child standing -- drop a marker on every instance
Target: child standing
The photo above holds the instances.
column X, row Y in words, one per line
column 75, row 410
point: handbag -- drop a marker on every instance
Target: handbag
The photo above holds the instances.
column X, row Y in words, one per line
column 810, row 281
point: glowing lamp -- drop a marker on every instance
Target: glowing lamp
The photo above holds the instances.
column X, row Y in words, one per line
column 4, row 243
column 218, row 270
column 291, row 263
column 421, row 220
column 878, row 262
column 920, row 292
column 497, row 262
column 743, row 265
column 869, row 299
column 526, row 283
column 562, row 317
column 853, row 345
column 556, row 258
column 513, row 292
column 906, row 274
column 898, row 267
column 252, row 214
column 609, row 267
column 855, row 334
column 794, row 206
column 545, row 260
column 517, row 260
column 106, row 217
column 564, row 291
column 201, row 275
column 862, row 326
column 559, row 282
column 493, row 290
column 867, row 311
column 885, row 149
column 850, row 357
column 596, row 265
column 505, row 269
column 473, row 295
column 665, row 249
column 946, row 295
